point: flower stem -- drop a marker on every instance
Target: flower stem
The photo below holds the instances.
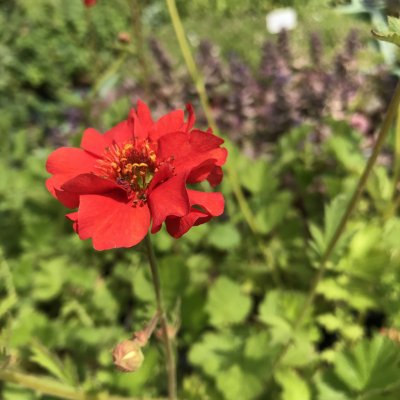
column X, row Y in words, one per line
column 231, row 171
column 201, row 90
column 53, row 388
column 163, row 320
column 394, row 201
column 137, row 27
column 387, row 123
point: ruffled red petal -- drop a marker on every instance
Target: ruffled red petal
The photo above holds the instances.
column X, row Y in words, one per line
column 74, row 218
column 206, row 171
column 192, row 151
column 94, row 142
column 111, row 222
column 121, row 133
column 91, row 184
column 215, row 176
column 65, row 163
column 144, row 115
column 164, row 173
column 211, row 202
column 191, row 118
column 169, row 198
column 172, row 122
column 177, row 227
column 211, row 205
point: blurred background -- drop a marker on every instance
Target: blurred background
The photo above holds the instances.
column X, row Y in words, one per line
column 299, row 95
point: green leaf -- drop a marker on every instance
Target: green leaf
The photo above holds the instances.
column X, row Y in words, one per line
column 51, row 363
column 237, row 366
column 330, row 390
column 279, row 310
column 368, row 370
column 48, row 281
column 237, row 383
column 333, row 214
column 393, row 35
column 224, row 236
column 226, row 303
column 293, row 386
column 273, row 213
column 212, row 352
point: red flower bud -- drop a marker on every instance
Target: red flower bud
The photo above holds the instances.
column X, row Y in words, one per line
column 128, row 356
column 89, row 3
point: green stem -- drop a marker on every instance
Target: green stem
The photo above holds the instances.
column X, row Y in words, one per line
column 201, row 90
column 53, row 388
column 387, row 123
column 394, row 201
column 163, row 319
column 138, row 35
column 396, row 156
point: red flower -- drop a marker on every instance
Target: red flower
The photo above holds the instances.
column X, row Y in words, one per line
column 135, row 175
column 89, row 3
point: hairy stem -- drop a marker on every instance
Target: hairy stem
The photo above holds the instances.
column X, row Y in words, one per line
column 53, row 388
column 163, row 320
column 387, row 123
column 394, row 200
column 138, row 35
column 230, row 168
column 201, row 90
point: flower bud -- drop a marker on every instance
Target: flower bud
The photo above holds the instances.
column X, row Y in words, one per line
column 128, row 356
column 124, row 37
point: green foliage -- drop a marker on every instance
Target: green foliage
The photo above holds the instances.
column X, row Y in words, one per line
column 393, row 35
column 368, row 371
column 226, row 304
column 234, row 295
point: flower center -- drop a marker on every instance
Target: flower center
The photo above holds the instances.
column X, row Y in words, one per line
column 132, row 165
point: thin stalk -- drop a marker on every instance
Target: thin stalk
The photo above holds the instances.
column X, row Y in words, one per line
column 201, row 90
column 396, row 175
column 137, row 27
column 387, row 123
column 163, row 320
column 56, row 389
column 392, row 207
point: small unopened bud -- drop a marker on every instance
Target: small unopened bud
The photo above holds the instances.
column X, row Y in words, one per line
column 171, row 332
column 124, row 37
column 128, row 356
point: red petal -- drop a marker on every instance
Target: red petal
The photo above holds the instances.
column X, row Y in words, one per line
column 121, row 133
column 215, row 176
column 191, row 118
column 208, row 170
column 90, row 184
column 172, row 122
column 190, row 153
column 69, row 161
column 169, row 198
column 110, row 222
column 89, row 3
column 74, row 218
column 94, row 142
column 204, row 141
column 212, row 204
column 66, row 163
column 165, row 172
column 69, row 200
column 174, row 144
column 144, row 115
column 177, row 227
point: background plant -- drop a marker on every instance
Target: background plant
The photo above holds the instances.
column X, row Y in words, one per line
column 63, row 307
